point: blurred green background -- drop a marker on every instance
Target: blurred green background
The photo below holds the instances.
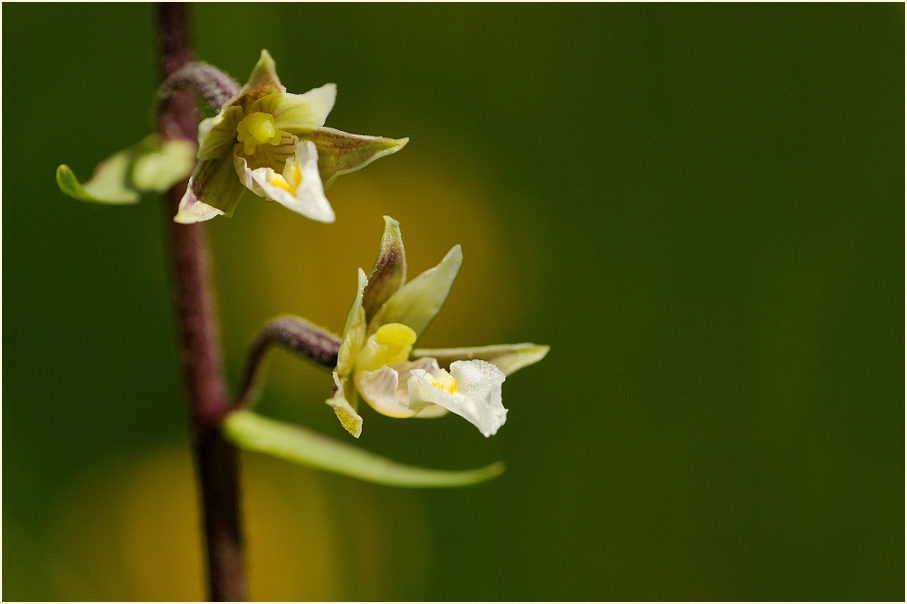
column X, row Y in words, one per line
column 699, row 207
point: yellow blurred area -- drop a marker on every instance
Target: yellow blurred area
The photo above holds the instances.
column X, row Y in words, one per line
column 128, row 531
column 271, row 261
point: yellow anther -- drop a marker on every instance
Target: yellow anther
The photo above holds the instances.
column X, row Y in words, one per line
column 395, row 334
column 256, row 129
column 391, row 344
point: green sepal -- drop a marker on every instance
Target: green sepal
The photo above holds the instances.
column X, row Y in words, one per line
column 506, row 357
column 416, row 303
column 389, row 272
column 150, row 166
column 345, row 402
column 354, row 331
column 216, row 134
column 262, row 81
column 298, row 445
column 216, row 184
column 342, row 152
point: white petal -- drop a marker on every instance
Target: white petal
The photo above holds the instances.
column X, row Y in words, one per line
column 294, row 112
column 191, row 208
column 380, row 389
column 385, row 389
column 301, row 192
column 477, row 397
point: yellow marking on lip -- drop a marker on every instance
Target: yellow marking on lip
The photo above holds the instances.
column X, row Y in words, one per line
column 444, row 381
column 296, row 178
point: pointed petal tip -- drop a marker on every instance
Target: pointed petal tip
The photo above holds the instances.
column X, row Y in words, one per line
column 190, row 213
column 265, row 63
column 265, row 60
column 391, row 229
column 455, row 254
column 391, row 145
column 542, row 350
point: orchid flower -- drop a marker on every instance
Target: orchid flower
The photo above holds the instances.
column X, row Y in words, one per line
column 262, row 139
column 378, row 363
column 274, row 144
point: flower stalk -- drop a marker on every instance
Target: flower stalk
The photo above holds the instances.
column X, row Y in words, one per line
column 216, row 460
column 294, row 334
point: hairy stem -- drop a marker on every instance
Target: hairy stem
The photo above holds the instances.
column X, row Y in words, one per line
column 295, row 335
column 216, row 460
column 212, row 84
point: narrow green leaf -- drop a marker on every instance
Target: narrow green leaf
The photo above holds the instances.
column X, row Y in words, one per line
column 298, row 445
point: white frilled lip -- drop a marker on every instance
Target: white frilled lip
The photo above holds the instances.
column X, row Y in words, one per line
column 410, row 389
column 477, row 397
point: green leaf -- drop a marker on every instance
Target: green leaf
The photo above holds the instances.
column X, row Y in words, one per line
column 416, row 303
column 298, row 445
column 389, row 272
column 150, row 166
column 506, row 357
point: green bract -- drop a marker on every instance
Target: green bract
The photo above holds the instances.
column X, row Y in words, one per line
column 275, row 145
column 307, row 448
column 377, row 362
column 150, row 166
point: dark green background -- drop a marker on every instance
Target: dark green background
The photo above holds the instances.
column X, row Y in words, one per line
column 699, row 207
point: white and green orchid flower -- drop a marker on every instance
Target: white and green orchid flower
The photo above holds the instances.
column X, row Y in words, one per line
column 377, row 361
column 275, row 145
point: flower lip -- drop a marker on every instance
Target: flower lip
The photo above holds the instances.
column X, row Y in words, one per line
column 472, row 390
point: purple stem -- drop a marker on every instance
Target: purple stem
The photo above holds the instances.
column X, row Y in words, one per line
column 216, row 460
column 295, row 335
